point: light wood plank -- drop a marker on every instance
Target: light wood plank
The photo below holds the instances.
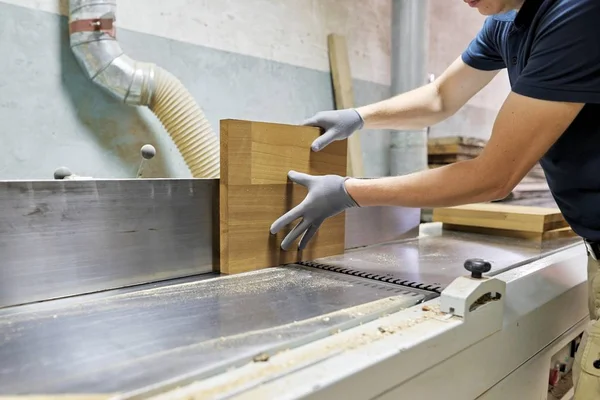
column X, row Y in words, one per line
column 453, row 149
column 252, row 210
column 456, row 140
column 559, row 233
column 235, row 137
column 502, row 216
column 257, row 192
column 277, row 149
column 344, row 98
column 448, row 158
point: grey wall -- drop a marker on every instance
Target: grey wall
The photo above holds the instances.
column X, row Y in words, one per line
column 51, row 115
column 477, row 117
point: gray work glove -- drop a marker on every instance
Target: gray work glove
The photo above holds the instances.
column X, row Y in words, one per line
column 338, row 125
column 327, row 196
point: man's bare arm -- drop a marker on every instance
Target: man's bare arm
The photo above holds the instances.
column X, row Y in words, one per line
column 523, row 132
column 428, row 104
column 415, row 109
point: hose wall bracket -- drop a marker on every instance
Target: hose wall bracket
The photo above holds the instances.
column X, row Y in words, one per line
column 104, row 25
column 93, row 42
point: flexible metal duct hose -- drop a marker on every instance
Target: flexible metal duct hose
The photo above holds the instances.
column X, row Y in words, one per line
column 94, row 44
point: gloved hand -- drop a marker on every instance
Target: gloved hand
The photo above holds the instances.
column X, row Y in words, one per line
column 327, row 196
column 338, row 125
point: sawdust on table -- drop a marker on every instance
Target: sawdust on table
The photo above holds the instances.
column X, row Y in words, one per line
column 315, row 352
column 251, row 283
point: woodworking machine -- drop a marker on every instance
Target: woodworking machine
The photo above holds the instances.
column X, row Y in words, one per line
column 108, row 290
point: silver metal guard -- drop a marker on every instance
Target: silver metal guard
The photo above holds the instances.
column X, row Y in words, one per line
column 63, row 238
column 366, row 226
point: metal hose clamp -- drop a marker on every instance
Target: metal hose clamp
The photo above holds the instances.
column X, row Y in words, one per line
column 104, row 25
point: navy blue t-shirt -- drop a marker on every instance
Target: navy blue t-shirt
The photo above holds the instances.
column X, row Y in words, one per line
column 551, row 49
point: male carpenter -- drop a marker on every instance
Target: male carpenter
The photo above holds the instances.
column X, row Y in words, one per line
column 551, row 49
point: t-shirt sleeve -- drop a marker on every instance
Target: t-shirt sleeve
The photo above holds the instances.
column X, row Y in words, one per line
column 564, row 63
column 482, row 53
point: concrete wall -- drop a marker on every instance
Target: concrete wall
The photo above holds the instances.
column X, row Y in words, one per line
column 452, row 26
column 260, row 59
column 251, row 59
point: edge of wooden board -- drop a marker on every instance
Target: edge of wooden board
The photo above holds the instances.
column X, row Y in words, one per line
column 459, row 140
column 343, row 92
column 246, row 139
column 559, row 233
column 501, row 216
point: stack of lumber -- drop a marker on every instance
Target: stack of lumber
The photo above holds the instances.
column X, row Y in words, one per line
column 533, row 190
column 447, row 150
column 451, row 149
column 524, row 222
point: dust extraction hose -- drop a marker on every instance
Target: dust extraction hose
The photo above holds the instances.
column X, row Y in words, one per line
column 187, row 125
column 94, row 43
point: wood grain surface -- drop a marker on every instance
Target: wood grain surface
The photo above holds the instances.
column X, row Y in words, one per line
column 530, row 236
column 344, row 97
column 502, row 216
column 254, row 191
column 453, row 149
column 458, row 140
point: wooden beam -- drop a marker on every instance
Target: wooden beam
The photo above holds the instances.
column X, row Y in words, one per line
column 254, row 191
column 502, row 216
column 558, row 233
column 344, row 98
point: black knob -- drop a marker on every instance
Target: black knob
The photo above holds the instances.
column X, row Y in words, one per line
column 596, row 364
column 477, row 267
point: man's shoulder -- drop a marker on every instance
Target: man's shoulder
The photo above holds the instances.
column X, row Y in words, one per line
column 563, row 52
column 501, row 19
column 497, row 27
column 569, row 11
column 550, row 12
column 572, row 5
column 559, row 22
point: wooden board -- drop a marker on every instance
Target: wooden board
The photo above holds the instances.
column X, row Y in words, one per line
column 254, row 191
column 453, row 149
column 448, row 158
column 502, row 216
column 531, row 236
column 456, row 140
column 344, row 98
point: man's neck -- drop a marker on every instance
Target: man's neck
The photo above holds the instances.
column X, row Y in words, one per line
column 518, row 4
